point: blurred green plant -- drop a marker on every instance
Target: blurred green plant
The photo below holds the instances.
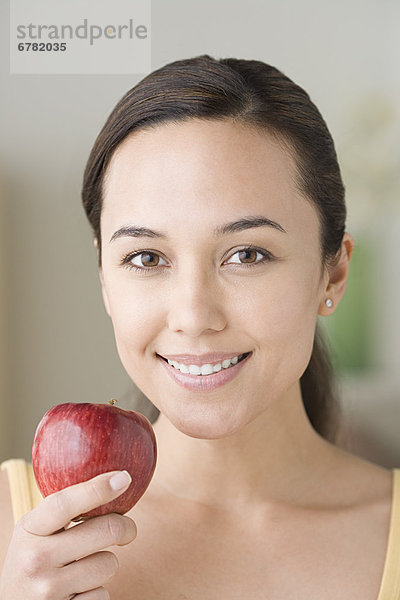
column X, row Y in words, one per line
column 369, row 155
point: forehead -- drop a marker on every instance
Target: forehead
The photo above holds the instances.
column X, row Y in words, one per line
column 199, row 167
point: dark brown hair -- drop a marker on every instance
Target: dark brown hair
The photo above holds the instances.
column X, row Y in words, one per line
column 258, row 95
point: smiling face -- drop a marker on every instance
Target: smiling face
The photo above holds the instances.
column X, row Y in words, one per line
column 191, row 285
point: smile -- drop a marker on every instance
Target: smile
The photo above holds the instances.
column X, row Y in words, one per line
column 204, row 377
column 206, row 369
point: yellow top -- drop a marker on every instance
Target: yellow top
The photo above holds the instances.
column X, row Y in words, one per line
column 25, row 495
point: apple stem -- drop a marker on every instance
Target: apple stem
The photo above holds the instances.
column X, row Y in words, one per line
column 112, row 401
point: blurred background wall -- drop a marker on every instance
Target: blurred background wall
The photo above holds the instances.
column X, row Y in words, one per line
column 57, row 342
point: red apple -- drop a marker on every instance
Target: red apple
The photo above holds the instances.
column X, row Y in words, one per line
column 75, row 442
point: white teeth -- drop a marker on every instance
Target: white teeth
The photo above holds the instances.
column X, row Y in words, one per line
column 206, row 369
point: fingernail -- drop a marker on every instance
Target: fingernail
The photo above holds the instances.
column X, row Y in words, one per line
column 120, row 480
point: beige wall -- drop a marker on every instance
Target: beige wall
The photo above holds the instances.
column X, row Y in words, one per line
column 59, row 345
column 4, row 399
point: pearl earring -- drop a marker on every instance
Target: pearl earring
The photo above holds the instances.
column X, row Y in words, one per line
column 329, row 303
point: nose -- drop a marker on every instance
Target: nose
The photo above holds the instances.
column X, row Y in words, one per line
column 196, row 305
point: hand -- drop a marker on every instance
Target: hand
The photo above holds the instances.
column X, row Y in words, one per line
column 46, row 561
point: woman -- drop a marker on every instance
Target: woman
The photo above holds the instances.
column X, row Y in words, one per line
column 218, row 214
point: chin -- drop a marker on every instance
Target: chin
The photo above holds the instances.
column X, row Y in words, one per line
column 206, row 423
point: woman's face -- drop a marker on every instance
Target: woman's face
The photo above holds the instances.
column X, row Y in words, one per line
column 192, row 283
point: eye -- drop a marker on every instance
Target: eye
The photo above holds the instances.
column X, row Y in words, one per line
column 250, row 256
column 143, row 261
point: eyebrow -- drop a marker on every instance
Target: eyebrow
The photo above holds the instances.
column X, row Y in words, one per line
column 233, row 227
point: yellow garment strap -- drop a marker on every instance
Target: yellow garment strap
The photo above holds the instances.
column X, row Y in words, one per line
column 390, row 583
column 25, row 493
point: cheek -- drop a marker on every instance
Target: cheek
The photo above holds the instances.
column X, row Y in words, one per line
column 281, row 318
column 135, row 317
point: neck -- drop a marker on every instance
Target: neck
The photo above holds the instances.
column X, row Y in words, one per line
column 276, row 458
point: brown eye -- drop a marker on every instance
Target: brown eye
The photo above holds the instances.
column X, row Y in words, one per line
column 248, row 256
column 149, row 260
column 144, row 260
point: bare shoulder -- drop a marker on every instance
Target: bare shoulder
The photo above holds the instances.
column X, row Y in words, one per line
column 6, row 516
column 367, row 482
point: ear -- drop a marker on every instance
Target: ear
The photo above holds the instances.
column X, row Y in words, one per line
column 337, row 277
column 103, row 286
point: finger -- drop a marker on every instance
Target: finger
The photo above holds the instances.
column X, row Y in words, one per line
column 88, row 573
column 89, row 537
column 57, row 510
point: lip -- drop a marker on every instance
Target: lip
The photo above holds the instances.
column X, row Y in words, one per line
column 204, row 383
column 201, row 359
